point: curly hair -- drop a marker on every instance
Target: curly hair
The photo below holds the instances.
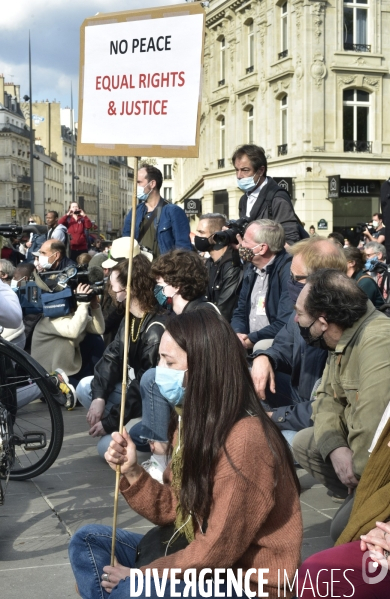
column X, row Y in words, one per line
column 355, row 255
column 142, row 283
column 183, row 269
column 336, row 297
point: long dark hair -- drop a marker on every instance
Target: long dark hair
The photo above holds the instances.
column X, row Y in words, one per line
column 142, row 283
column 219, row 392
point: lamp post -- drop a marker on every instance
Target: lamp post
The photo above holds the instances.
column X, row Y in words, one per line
column 29, row 99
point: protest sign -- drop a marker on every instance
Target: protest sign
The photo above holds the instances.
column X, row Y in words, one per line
column 140, row 82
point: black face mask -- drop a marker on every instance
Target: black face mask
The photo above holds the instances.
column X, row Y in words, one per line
column 202, row 244
column 294, row 288
column 317, row 342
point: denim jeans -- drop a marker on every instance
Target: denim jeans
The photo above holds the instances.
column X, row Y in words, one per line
column 90, row 551
column 156, row 412
column 84, row 395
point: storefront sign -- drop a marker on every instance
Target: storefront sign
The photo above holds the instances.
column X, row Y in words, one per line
column 339, row 188
column 334, row 186
column 322, row 224
column 192, row 207
column 285, row 183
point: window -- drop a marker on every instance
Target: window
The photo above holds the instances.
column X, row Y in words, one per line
column 282, row 149
column 284, row 36
column 221, row 202
column 251, row 48
column 356, row 125
column 355, row 25
column 250, row 126
column 168, row 193
column 66, row 151
column 167, row 171
column 222, row 142
column 222, row 62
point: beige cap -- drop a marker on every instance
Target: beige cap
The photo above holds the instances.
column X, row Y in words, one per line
column 120, row 250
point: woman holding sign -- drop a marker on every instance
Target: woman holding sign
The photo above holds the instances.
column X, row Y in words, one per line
column 230, row 498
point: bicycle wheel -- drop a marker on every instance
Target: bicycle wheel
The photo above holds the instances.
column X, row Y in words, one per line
column 38, row 426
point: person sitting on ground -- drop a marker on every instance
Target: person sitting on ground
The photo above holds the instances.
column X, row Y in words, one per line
column 101, row 393
column 377, row 268
column 181, row 278
column 7, row 270
column 229, row 508
column 83, row 259
column 71, row 344
column 264, row 305
column 333, row 313
column 223, row 265
column 22, row 275
column 52, row 256
column 356, row 261
column 286, row 375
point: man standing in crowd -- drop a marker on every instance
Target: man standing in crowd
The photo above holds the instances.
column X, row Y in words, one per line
column 56, row 231
column 263, row 198
column 376, row 266
column 380, row 232
column 77, row 222
column 159, row 225
column 286, row 374
column 264, row 305
column 333, row 313
column 224, row 266
column 52, row 256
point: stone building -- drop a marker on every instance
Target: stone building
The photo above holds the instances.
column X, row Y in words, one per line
column 307, row 81
column 15, row 178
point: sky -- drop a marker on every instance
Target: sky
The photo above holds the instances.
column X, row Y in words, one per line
column 55, row 42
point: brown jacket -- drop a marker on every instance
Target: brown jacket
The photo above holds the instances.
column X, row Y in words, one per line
column 253, row 522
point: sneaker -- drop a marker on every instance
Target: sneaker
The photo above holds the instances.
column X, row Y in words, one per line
column 154, row 469
column 62, row 382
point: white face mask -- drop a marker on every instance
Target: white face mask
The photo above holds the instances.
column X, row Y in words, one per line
column 375, row 223
column 43, row 261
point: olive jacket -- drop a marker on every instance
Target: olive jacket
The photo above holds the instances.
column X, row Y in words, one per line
column 355, row 389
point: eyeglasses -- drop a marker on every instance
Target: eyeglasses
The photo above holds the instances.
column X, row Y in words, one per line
column 370, row 255
column 297, row 278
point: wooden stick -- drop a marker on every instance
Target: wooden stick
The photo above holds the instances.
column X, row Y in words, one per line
column 125, row 354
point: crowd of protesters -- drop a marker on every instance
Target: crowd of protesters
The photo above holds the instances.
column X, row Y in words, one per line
column 248, row 358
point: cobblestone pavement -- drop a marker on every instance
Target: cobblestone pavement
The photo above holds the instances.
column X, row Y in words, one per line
column 40, row 515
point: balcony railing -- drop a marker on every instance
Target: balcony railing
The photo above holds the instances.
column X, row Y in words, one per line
column 24, row 179
column 357, row 47
column 357, row 146
column 250, row 70
column 222, row 82
column 282, row 150
column 283, row 54
column 24, row 204
column 8, row 128
column 221, row 163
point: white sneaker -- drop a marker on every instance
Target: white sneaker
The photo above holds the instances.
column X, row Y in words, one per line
column 154, row 469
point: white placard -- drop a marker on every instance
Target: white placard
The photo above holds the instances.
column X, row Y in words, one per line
column 141, row 82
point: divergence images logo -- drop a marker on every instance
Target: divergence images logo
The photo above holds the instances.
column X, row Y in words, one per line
column 370, row 567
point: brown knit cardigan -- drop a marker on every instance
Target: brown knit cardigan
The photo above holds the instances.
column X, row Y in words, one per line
column 255, row 518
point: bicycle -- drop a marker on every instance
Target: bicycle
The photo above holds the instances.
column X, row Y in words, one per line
column 31, row 422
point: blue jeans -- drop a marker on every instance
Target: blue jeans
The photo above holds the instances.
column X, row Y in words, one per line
column 84, row 395
column 90, row 551
column 156, row 413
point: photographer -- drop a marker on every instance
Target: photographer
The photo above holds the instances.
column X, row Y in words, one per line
column 377, row 232
column 73, row 342
column 264, row 305
column 224, row 265
column 76, row 221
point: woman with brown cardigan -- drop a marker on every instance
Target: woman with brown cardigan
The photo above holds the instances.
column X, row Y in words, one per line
column 230, row 496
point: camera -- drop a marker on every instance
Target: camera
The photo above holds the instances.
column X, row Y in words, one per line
column 77, row 212
column 234, row 228
column 76, row 275
column 360, row 227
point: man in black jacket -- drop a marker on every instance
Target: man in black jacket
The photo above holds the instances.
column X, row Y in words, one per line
column 263, row 198
column 264, row 305
column 224, row 266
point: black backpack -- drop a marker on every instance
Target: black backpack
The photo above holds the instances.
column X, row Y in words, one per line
column 303, row 234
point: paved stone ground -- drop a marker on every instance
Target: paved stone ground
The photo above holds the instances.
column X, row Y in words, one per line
column 40, row 515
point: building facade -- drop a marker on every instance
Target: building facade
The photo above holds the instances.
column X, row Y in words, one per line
column 306, row 80
column 15, row 180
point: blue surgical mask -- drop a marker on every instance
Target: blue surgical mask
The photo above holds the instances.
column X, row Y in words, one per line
column 170, row 383
column 141, row 195
column 162, row 299
column 247, row 183
column 371, row 262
